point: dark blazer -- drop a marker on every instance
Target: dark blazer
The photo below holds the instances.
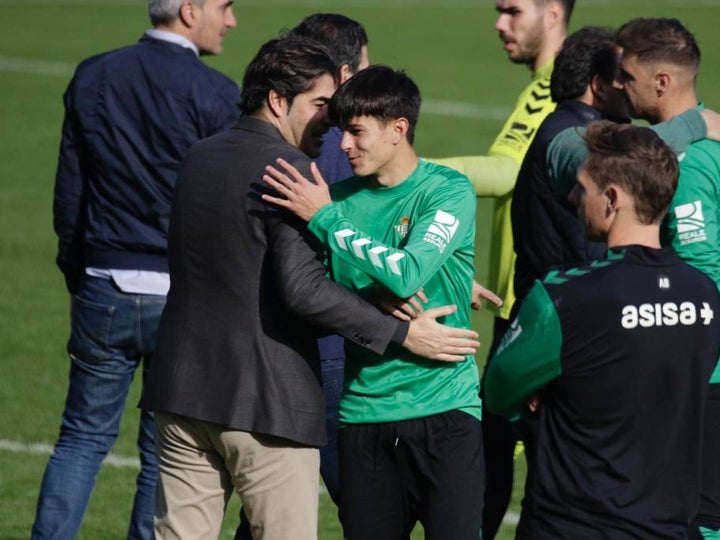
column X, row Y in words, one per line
column 236, row 344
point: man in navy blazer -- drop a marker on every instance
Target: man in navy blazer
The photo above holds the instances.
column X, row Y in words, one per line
column 130, row 117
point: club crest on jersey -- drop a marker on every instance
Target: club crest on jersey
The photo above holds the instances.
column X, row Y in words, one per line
column 441, row 230
column 690, row 223
column 402, row 229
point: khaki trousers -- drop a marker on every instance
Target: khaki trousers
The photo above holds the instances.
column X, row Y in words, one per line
column 200, row 464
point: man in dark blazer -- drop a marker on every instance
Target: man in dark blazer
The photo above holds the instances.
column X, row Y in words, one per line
column 235, row 380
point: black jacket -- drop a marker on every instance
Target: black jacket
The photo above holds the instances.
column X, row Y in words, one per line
column 547, row 234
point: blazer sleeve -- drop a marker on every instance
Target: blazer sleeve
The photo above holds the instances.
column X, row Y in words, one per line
column 307, row 291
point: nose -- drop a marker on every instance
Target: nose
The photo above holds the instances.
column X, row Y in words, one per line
column 230, row 20
column 617, row 84
column 346, row 142
column 501, row 23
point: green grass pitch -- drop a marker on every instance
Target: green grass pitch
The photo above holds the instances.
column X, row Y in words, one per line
column 448, row 46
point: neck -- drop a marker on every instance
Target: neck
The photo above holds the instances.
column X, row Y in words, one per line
column 551, row 45
column 397, row 170
column 176, row 27
column 676, row 104
column 634, row 233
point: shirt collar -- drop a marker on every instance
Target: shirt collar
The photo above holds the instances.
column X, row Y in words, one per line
column 172, row 37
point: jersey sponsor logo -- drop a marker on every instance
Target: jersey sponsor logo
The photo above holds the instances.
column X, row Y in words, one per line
column 666, row 314
column 403, row 228
column 690, row 223
column 357, row 248
column 442, row 230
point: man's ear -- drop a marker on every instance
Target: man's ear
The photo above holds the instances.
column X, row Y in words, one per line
column 553, row 14
column 400, row 127
column 612, row 195
column 662, row 81
column 345, row 73
column 276, row 103
column 597, row 87
column 187, row 13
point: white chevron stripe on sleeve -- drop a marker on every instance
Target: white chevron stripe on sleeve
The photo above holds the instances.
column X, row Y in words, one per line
column 375, row 255
column 340, row 237
column 357, row 246
column 393, row 263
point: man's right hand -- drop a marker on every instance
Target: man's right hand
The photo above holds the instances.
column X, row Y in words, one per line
column 712, row 121
column 427, row 337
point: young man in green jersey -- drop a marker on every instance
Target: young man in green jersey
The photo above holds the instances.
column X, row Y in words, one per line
column 411, row 442
column 659, row 68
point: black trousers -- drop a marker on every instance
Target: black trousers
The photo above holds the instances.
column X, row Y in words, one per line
column 429, row 469
column 708, row 515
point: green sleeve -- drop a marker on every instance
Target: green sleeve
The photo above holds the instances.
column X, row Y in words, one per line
column 682, row 130
column 494, row 175
column 528, row 357
column 445, row 223
column 715, row 376
column 491, row 176
column 567, row 151
column 692, row 223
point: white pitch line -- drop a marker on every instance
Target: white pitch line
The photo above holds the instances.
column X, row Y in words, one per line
column 43, row 449
column 10, row 64
column 18, row 447
column 465, row 110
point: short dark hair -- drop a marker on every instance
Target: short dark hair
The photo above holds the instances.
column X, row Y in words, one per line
column 660, row 40
column 344, row 37
column 290, row 66
column 637, row 159
column 378, row 91
column 567, row 5
column 587, row 52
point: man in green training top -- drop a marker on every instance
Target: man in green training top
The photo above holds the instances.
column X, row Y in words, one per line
column 411, row 443
column 658, row 72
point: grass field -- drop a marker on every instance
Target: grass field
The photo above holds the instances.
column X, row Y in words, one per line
column 448, row 47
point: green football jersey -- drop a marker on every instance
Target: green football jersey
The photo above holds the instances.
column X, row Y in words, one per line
column 416, row 235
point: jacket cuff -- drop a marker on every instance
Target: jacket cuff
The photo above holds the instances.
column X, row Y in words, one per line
column 400, row 333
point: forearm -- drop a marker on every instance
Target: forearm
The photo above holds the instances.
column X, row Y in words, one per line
column 306, row 291
column 491, row 176
column 528, row 358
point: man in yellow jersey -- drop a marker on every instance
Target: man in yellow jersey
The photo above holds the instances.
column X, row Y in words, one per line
column 532, row 32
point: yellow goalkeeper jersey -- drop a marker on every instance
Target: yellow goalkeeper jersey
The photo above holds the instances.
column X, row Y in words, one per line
column 494, row 175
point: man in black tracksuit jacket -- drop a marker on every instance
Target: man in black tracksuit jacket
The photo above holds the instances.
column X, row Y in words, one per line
column 615, row 358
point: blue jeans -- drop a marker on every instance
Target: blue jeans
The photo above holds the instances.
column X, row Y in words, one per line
column 112, row 334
